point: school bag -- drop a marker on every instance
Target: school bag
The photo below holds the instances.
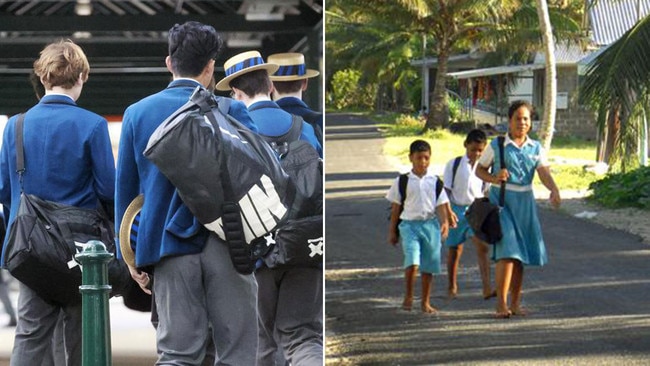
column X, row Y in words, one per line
column 482, row 215
column 313, row 118
column 454, row 169
column 298, row 242
column 227, row 175
column 401, row 187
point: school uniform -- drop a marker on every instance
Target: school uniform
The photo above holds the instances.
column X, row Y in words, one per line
column 196, row 284
column 419, row 229
column 68, row 159
column 271, row 120
column 298, row 107
column 290, row 299
column 463, row 189
column 522, row 234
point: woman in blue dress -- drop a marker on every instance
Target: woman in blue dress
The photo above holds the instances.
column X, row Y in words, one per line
column 522, row 243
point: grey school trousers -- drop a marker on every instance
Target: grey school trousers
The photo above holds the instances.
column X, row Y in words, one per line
column 35, row 333
column 290, row 306
column 197, row 290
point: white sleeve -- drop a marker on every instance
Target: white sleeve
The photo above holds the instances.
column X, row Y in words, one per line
column 447, row 174
column 442, row 199
column 393, row 193
column 543, row 158
column 487, row 158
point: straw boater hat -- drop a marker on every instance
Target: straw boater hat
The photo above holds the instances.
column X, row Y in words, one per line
column 292, row 67
column 241, row 64
column 128, row 227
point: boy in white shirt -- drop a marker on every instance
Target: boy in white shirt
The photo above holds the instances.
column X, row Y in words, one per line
column 462, row 187
column 419, row 230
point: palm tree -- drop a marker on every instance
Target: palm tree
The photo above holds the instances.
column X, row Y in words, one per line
column 376, row 40
column 617, row 86
column 550, row 91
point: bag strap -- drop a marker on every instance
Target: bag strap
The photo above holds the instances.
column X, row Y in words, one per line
column 454, row 169
column 439, row 186
column 502, row 192
column 401, row 186
column 281, row 143
column 233, row 228
column 20, row 153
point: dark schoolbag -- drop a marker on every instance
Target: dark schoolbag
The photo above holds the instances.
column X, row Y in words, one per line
column 454, row 169
column 299, row 241
column 315, row 120
column 227, row 175
column 401, row 188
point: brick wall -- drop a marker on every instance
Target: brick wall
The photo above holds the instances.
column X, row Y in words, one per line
column 576, row 121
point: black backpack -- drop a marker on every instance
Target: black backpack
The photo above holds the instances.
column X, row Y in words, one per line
column 299, row 241
column 313, row 118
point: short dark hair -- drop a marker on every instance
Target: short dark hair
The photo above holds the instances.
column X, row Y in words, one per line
column 518, row 104
column 253, row 83
column 419, row 146
column 477, row 136
column 284, row 87
column 191, row 45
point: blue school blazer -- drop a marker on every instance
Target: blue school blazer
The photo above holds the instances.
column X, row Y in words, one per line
column 167, row 224
column 271, row 120
column 68, row 156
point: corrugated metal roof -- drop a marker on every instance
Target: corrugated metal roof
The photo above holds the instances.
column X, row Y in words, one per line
column 565, row 54
column 611, row 19
column 499, row 70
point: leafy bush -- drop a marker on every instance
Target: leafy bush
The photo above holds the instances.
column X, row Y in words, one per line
column 631, row 189
column 455, row 106
column 349, row 92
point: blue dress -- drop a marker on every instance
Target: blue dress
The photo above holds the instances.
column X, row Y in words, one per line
column 522, row 234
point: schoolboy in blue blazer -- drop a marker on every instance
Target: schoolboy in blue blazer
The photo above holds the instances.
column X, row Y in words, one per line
column 291, row 79
column 290, row 299
column 195, row 283
column 68, row 159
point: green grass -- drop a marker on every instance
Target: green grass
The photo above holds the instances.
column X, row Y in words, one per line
column 400, row 131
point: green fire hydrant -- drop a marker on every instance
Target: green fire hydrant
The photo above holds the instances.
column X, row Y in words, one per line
column 95, row 291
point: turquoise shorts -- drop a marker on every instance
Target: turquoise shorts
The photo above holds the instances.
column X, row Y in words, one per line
column 462, row 231
column 421, row 244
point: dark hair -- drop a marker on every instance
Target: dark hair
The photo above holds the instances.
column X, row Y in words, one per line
column 518, row 104
column 477, row 136
column 191, row 45
column 284, row 87
column 419, row 146
column 253, row 83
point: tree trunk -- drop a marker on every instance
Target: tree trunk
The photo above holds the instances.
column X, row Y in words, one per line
column 550, row 90
column 439, row 110
column 611, row 134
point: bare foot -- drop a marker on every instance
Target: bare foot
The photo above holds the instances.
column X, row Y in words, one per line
column 502, row 312
column 519, row 311
column 428, row 309
column 407, row 304
column 452, row 293
column 488, row 295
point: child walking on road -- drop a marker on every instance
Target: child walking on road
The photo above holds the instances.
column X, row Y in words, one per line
column 416, row 202
column 462, row 187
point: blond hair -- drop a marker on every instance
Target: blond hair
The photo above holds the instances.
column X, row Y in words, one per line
column 60, row 64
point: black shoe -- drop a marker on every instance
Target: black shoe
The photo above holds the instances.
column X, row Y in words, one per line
column 12, row 323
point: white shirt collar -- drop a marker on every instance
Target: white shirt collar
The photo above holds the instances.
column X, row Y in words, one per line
column 508, row 140
column 60, row 95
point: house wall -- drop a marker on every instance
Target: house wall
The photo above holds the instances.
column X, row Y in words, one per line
column 575, row 120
